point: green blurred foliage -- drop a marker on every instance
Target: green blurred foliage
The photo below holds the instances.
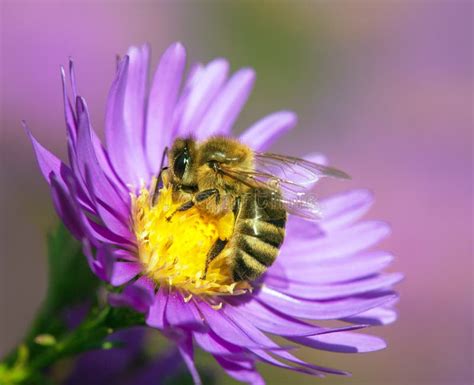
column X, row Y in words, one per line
column 50, row 339
column 70, row 282
column 285, row 42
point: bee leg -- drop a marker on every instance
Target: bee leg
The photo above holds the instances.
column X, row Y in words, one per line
column 220, row 244
column 185, row 206
column 215, row 250
column 206, row 194
column 159, row 178
column 158, row 186
column 199, row 197
column 236, row 209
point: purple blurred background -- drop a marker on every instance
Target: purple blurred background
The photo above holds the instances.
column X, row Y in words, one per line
column 385, row 89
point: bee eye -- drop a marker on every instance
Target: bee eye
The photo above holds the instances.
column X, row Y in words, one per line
column 180, row 164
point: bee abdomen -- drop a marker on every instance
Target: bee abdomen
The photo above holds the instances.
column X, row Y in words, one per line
column 258, row 234
column 266, row 232
column 246, row 267
column 252, row 256
column 263, row 252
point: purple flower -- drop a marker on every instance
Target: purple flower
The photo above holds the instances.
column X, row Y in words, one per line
column 125, row 365
column 323, row 271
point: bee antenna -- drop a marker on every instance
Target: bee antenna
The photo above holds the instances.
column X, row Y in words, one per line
column 159, row 178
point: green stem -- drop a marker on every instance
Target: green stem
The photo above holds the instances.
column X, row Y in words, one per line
column 28, row 362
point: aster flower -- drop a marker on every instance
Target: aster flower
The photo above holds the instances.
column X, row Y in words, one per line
column 323, row 271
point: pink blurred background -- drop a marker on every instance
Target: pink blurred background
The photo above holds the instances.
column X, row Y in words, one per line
column 385, row 89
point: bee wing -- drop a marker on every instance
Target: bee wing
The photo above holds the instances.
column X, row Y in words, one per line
column 296, row 170
column 297, row 199
column 301, row 204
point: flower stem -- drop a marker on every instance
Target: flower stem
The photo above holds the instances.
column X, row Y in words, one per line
column 28, row 363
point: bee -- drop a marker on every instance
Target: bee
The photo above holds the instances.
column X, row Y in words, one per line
column 221, row 174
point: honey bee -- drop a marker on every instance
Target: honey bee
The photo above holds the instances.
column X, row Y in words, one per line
column 221, row 174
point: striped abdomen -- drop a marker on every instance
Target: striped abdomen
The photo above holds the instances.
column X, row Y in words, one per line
column 258, row 234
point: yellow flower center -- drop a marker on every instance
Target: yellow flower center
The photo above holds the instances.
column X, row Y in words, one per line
column 173, row 246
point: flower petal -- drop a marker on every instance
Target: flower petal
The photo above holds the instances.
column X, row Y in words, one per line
column 156, row 314
column 277, row 350
column 255, row 334
column 243, row 323
column 66, row 208
column 226, row 107
column 338, row 244
column 240, row 372
column 316, row 157
column 124, row 272
column 377, row 316
column 186, row 349
column 205, row 86
column 335, row 309
column 161, row 103
column 212, row 343
column 68, row 111
column 300, row 230
column 93, row 231
column 344, row 209
column 102, row 263
column 87, row 162
column 125, row 255
column 330, row 291
column 124, row 135
column 181, row 314
column 315, row 370
column 138, row 295
column 342, row 342
column 71, row 125
column 334, row 270
column 230, row 331
column 72, row 78
column 113, row 221
column 272, row 321
column 267, row 358
column 47, row 162
column 263, row 133
column 103, row 234
column 137, row 78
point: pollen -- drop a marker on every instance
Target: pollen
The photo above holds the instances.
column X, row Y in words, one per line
column 173, row 246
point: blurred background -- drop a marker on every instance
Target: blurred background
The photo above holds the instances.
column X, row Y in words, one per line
column 384, row 88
